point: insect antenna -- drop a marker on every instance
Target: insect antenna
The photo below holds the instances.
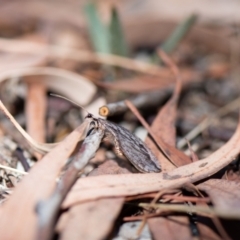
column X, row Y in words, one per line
column 69, row 100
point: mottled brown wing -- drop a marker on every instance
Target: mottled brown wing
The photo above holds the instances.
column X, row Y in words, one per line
column 133, row 148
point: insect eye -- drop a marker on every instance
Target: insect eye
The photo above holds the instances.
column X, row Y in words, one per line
column 92, row 123
column 89, row 115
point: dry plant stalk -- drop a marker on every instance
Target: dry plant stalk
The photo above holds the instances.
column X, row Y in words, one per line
column 47, row 210
column 39, row 147
column 20, row 46
column 201, row 210
column 143, row 100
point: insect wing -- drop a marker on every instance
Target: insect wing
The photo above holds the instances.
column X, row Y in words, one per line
column 137, row 152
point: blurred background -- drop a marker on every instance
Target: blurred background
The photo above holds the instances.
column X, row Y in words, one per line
column 99, row 53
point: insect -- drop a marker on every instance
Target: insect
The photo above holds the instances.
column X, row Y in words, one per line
column 126, row 144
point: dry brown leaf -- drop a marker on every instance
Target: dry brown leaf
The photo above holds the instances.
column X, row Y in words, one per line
column 35, row 110
column 62, row 81
column 70, row 84
column 10, row 61
column 39, row 147
column 19, row 46
column 109, row 167
column 207, row 233
column 132, row 184
column 157, row 30
column 171, row 153
column 170, row 228
column 179, row 227
column 17, row 13
column 148, row 83
column 223, row 193
column 106, row 209
column 36, row 186
column 164, row 124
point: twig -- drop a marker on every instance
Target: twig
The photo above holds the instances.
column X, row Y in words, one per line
column 13, row 169
column 35, row 109
column 159, row 141
column 209, row 120
column 20, row 46
column 218, row 132
column 20, row 156
column 40, row 147
column 47, row 210
column 144, row 100
column 220, row 212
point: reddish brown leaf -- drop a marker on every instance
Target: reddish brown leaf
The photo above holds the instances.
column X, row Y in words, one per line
column 207, row 233
column 35, row 110
column 164, row 123
column 106, row 209
column 170, row 153
column 100, row 216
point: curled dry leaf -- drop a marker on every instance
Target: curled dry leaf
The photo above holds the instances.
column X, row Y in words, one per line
column 39, row 147
column 72, row 85
column 133, row 184
column 65, row 82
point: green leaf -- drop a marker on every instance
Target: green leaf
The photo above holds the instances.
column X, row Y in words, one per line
column 98, row 32
column 178, row 34
column 176, row 37
column 117, row 38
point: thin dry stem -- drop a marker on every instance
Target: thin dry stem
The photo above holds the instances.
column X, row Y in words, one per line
column 47, row 210
column 20, row 46
column 145, row 124
column 220, row 212
column 13, row 170
column 208, row 121
column 40, row 147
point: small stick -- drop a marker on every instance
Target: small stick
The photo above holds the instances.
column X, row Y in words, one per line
column 35, row 109
column 159, row 141
column 13, row 169
column 19, row 154
column 144, row 100
column 47, row 210
column 209, row 120
column 212, row 211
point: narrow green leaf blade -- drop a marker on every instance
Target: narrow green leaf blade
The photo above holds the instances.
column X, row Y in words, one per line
column 98, row 32
column 117, row 38
column 178, row 34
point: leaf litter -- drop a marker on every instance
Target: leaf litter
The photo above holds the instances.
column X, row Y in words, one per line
column 185, row 197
